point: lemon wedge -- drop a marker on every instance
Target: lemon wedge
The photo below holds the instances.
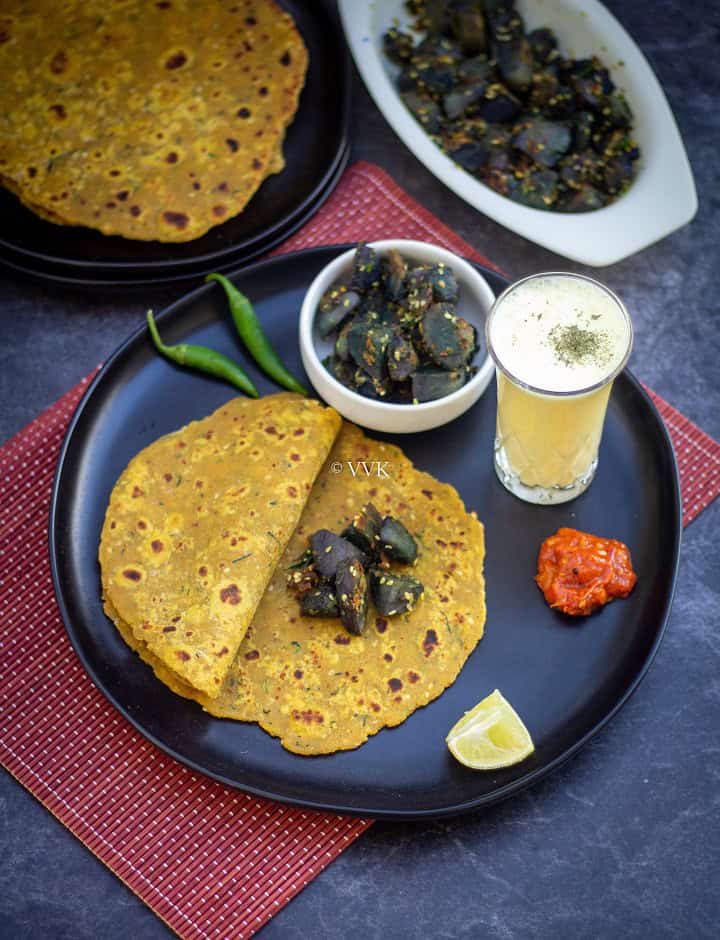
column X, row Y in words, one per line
column 490, row 736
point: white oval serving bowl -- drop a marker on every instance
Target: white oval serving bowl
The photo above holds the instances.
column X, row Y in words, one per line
column 662, row 197
column 475, row 300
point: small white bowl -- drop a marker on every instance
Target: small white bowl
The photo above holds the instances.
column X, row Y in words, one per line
column 474, row 303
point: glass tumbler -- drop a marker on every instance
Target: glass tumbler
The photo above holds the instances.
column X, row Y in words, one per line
column 558, row 341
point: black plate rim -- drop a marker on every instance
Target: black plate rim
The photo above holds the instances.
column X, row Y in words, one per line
column 380, row 813
column 231, row 261
column 252, row 246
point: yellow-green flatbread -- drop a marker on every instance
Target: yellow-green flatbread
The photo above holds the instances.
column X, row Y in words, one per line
column 197, row 522
column 308, row 681
column 150, row 120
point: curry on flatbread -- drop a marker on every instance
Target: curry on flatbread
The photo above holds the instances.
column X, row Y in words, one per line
column 308, row 681
column 197, row 523
column 154, row 121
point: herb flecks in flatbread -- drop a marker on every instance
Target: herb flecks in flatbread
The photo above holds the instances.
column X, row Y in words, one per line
column 306, row 679
column 197, row 523
column 154, row 121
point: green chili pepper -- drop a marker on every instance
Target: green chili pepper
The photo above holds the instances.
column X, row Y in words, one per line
column 252, row 334
column 204, row 359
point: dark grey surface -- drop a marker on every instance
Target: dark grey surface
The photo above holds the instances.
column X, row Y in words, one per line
column 621, row 842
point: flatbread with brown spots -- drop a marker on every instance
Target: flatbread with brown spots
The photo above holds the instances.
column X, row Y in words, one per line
column 317, row 687
column 197, row 522
column 150, row 120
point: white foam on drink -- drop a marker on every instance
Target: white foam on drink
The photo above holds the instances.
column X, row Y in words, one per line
column 529, row 333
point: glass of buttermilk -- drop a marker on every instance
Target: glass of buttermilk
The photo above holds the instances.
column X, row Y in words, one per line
column 558, row 340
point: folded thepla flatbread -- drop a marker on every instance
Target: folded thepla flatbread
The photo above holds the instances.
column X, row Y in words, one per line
column 197, row 523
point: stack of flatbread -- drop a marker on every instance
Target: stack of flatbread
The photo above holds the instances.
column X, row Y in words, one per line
column 199, row 535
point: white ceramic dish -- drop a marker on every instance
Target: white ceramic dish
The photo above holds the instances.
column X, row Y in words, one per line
column 476, row 298
column 662, row 197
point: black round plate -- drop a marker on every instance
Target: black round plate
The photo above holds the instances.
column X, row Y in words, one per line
column 565, row 677
column 315, row 146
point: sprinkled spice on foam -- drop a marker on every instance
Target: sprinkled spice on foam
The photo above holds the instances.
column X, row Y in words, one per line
column 574, row 345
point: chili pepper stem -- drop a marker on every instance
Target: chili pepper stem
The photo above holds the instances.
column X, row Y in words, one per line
column 159, row 345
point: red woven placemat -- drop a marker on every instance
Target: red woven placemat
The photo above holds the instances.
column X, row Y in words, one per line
column 212, row 862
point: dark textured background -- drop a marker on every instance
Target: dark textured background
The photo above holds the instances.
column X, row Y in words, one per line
column 621, row 842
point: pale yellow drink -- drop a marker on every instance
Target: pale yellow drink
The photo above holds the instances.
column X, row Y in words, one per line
column 558, row 341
